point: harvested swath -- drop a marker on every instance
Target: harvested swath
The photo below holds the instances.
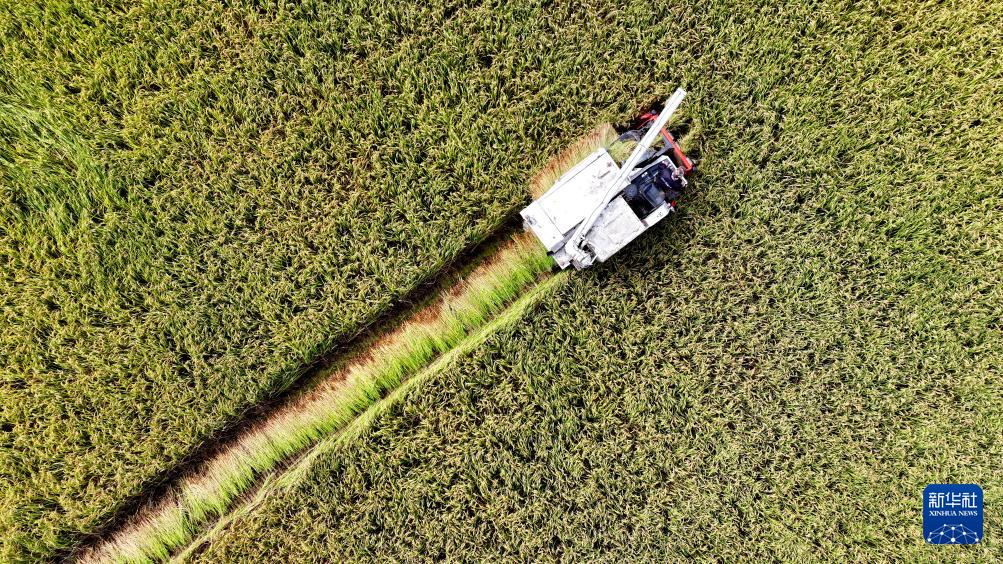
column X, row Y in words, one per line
column 360, row 426
column 208, row 493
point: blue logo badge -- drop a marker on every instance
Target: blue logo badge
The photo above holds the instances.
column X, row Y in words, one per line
column 952, row 514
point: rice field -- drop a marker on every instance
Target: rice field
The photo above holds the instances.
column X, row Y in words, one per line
column 196, row 205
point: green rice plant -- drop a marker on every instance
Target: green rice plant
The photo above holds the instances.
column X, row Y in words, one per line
column 209, row 493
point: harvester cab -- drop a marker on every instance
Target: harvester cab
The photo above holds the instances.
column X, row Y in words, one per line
column 598, row 207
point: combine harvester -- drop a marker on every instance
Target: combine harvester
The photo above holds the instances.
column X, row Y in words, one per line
column 597, row 207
